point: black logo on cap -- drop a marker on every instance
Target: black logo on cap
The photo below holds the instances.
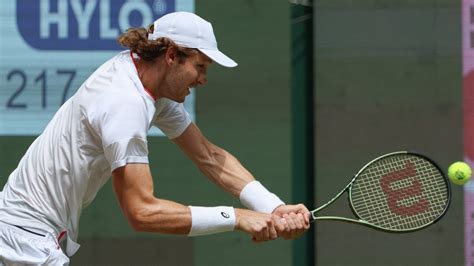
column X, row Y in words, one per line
column 225, row 215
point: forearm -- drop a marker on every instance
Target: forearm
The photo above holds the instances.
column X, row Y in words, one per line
column 161, row 216
column 225, row 170
column 214, row 162
column 168, row 217
column 172, row 218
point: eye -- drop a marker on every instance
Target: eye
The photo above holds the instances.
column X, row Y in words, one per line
column 201, row 68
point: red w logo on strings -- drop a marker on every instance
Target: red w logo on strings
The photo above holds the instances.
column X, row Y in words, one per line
column 396, row 195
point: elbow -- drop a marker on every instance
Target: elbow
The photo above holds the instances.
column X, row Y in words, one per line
column 137, row 224
column 137, row 221
column 141, row 219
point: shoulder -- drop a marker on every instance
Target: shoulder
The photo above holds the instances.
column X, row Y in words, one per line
column 171, row 117
column 122, row 102
column 165, row 105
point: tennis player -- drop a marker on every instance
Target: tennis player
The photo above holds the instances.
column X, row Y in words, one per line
column 101, row 131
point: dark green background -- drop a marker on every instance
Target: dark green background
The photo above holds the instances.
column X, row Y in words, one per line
column 387, row 77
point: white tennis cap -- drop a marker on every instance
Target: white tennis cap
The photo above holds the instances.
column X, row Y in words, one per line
column 191, row 31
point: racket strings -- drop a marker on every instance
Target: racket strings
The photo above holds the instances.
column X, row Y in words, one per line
column 400, row 192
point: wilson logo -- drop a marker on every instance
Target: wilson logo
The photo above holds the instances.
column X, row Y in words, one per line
column 84, row 24
column 395, row 196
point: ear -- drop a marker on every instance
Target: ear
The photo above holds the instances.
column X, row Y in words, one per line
column 171, row 55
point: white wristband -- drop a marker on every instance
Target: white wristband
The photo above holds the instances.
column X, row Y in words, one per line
column 211, row 220
column 256, row 197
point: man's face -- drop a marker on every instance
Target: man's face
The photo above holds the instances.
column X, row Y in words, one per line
column 185, row 75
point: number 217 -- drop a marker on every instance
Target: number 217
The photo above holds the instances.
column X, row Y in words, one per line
column 41, row 80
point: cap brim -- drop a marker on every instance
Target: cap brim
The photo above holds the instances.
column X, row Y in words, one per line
column 218, row 57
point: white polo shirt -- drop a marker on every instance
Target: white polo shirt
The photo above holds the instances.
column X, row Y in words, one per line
column 102, row 127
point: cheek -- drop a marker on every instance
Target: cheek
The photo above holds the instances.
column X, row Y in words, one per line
column 192, row 74
column 187, row 74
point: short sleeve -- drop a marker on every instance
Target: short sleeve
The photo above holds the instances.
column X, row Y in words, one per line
column 171, row 117
column 122, row 123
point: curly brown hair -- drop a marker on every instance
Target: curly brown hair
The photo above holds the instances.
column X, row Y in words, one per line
column 136, row 39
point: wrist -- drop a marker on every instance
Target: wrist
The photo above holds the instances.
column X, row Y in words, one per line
column 238, row 216
column 211, row 220
column 256, row 197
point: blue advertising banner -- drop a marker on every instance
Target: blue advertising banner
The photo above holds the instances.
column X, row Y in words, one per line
column 49, row 47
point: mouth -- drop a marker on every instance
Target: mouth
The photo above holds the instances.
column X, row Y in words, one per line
column 189, row 90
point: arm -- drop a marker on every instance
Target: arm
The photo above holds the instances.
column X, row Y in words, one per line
column 229, row 174
column 133, row 186
column 214, row 162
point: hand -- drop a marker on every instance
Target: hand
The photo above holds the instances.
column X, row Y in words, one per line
column 295, row 218
column 262, row 226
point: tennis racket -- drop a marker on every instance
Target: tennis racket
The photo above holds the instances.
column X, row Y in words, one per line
column 397, row 192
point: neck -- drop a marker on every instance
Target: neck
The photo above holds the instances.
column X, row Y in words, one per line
column 150, row 75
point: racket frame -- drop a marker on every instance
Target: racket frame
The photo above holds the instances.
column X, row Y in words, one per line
column 348, row 189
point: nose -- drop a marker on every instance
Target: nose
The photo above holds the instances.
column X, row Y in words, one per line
column 202, row 79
